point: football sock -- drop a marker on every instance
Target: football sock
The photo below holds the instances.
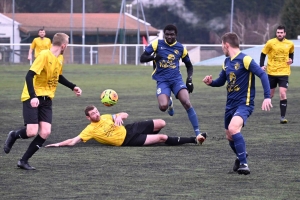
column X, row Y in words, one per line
column 283, row 105
column 194, row 120
column 179, row 140
column 231, row 144
column 21, row 134
column 240, row 147
column 33, row 147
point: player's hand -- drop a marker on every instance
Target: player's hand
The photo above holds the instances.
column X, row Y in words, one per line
column 189, row 85
column 207, row 79
column 290, row 61
column 34, row 102
column 157, row 57
column 263, row 68
column 118, row 120
column 52, row 145
column 29, row 57
column 77, row 91
column 267, row 105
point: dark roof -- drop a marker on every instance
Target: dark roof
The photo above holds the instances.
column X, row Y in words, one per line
column 95, row 23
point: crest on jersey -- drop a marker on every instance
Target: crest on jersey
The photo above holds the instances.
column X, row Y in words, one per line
column 176, row 51
column 236, row 66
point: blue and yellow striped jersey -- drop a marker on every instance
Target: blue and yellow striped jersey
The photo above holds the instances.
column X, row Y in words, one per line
column 168, row 67
column 239, row 72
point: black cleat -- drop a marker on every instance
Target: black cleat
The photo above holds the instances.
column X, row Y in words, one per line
column 25, row 165
column 201, row 138
column 237, row 164
column 9, row 141
column 243, row 169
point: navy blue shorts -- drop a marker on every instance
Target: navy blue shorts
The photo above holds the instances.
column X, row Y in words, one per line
column 136, row 133
column 243, row 111
column 282, row 81
column 166, row 87
column 35, row 115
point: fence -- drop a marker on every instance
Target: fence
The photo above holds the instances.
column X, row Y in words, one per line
column 122, row 54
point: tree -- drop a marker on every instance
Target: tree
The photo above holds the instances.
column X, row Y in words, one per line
column 290, row 17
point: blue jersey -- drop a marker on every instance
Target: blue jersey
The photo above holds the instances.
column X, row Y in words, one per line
column 168, row 67
column 239, row 72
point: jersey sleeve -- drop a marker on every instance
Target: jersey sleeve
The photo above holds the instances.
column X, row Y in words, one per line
column 86, row 135
column 185, row 56
column 38, row 64
column 33, row 44
column 266, row 48
column 292, row 48
column 152, row 47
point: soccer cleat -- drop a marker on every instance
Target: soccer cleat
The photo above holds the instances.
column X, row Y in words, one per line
column 237, row 164
column 283, row 120
column 201, row 138
column 243, row 169
column 171, row 108
column 25, row 165
column 9, row 141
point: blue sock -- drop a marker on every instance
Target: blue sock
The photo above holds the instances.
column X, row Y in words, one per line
column 231, row 144
column 194, row 120
column 240, row 147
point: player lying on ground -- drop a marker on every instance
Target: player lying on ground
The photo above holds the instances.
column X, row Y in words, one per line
column 108, row 129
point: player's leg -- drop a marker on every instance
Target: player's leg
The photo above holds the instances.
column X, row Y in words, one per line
column 30, row 116
column 273, row 84
column 234, row 132
column 45, row 120
column 163, row 93
column 283, row 86
column 169, row 140
column 184, row 98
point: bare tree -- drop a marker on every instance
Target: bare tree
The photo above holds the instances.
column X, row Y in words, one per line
column 5, row 6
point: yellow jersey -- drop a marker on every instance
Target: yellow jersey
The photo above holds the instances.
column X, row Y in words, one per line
column 39, row 44
column 47, row 67
column 278, row 56
column 105, row 131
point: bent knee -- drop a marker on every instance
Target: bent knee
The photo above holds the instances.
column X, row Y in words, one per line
column 163, row 107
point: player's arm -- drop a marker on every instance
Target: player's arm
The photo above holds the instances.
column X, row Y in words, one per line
column 62, row 80
column 220, row 81
column 146, row 57
column 118, row 118
column 262, row 59
column 30, row 54
column 190, row 70
column 68, row 142
column 29, row 82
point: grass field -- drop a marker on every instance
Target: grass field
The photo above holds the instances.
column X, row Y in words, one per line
column 95, row 171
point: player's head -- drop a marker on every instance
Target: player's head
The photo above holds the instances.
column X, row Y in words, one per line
column 92, row 113
column 60, row 40
column 42, row 33
column 280, row 32
column 229, row 40
column 170, row 33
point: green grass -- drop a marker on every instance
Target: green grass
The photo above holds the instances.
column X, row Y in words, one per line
column 95, row 171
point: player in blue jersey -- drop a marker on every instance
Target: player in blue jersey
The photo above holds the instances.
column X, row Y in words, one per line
column 239, row 71
column 166, row 55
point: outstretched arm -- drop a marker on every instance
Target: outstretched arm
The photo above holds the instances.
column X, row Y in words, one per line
column 62, row 80
column 68, row 142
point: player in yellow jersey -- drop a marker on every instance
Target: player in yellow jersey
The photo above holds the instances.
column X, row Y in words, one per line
column 109, row 129
column 39, row 89
column 38, row 44
column 280, row 53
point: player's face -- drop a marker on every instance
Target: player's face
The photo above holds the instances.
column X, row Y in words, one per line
column 42, row 34
column 225, row 49
column 170, row 36
column 280, row 34
column 94, row 115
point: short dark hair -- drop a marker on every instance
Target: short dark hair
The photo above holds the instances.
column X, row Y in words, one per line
column 280, row 27
column 88, row 109
column 232, row 39
column 41, row 29
column 170, row 27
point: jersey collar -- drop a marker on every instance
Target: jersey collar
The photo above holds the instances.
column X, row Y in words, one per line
column 170, row 44
column 235, row 55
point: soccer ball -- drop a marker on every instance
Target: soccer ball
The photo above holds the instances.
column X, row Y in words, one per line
column 109, row 97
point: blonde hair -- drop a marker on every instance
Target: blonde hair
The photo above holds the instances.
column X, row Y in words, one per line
column 59, row 39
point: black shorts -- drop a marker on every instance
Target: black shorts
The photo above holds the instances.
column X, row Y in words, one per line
column 35, row 115
column 282, row 81
column 136, row 133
